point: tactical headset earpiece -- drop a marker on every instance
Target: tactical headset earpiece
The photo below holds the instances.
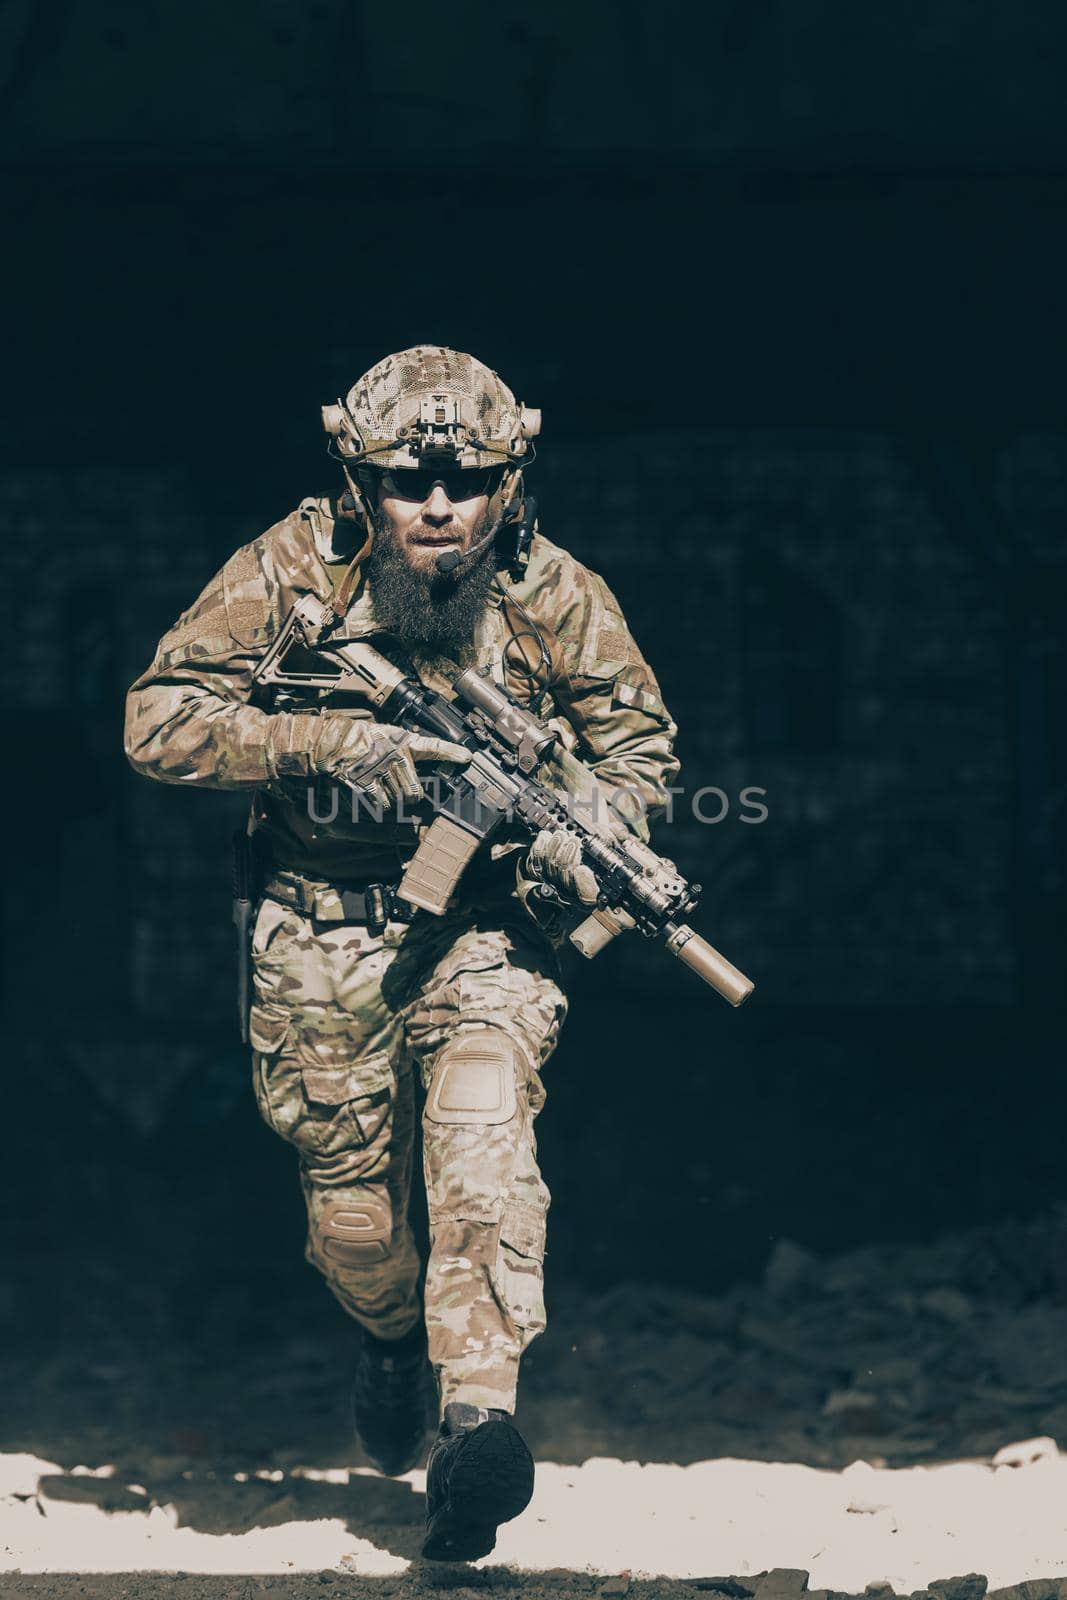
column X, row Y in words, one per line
column 361, row 499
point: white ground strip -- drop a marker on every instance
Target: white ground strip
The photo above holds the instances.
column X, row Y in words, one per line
column 1007, row 1519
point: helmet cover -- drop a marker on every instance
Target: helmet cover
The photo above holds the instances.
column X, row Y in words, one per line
column 430, row 406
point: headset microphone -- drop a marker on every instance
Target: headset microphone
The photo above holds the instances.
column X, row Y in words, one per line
column 449, row 560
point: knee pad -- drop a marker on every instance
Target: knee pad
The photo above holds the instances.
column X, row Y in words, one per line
column 475, row 1077
column 358, row 1230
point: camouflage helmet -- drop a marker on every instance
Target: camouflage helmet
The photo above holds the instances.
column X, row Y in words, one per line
column 430, row 406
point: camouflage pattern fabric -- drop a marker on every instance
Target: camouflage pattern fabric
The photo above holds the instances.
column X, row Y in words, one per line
column 389, row 396
column 189, row 721
column 341, row 1021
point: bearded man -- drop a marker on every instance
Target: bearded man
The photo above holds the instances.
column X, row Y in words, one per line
column 430, row 550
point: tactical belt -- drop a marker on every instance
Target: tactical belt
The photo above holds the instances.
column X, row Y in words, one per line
column 374, row 904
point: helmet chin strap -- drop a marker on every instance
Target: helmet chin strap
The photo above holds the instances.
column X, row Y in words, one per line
column 347, row 589
column 354, row 500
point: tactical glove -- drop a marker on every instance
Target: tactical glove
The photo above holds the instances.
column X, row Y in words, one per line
column 374, row 757
column 555, row 858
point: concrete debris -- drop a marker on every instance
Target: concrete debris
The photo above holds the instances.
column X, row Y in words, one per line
column 1026, row 1454
column 1034, row 1589
column 893, row 1353
column 971, row 1587
column 898, row 1372
column 782, row 1583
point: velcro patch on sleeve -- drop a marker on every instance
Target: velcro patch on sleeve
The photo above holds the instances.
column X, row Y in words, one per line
column 209, row 623
column 613, row 645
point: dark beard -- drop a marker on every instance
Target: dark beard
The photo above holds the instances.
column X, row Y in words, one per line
column 434, row 611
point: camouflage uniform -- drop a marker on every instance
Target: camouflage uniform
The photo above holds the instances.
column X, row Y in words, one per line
column 471, row 1000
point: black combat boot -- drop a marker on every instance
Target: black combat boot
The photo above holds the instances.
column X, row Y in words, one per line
column 479, row 1474
column 390, row 1399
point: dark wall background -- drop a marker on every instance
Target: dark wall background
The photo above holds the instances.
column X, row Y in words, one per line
column 787, row 283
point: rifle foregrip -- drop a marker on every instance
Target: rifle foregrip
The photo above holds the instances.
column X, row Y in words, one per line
column 599, row 929
column 437, row 866
column 703, row 959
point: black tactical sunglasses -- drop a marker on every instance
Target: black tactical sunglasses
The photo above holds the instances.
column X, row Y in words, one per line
column 417, row 483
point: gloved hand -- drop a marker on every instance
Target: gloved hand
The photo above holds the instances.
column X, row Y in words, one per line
column 374, row 757
column 555, row 858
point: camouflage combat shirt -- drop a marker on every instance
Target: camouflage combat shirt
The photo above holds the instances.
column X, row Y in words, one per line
column 192, row 718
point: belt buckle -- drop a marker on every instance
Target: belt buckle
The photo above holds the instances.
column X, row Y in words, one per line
column 353, row 904
column 399, row 910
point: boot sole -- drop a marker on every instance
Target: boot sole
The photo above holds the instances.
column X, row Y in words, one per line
column 492, row 1482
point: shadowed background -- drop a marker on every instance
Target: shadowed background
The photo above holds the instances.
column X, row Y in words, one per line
column 787, row 283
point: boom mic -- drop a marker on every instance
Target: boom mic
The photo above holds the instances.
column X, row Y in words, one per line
column 449, row 560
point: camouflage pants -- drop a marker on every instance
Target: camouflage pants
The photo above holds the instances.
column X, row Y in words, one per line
column 340, row 1022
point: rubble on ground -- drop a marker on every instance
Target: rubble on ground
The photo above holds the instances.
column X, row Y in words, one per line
column 891, row 1353
column 807, row 1429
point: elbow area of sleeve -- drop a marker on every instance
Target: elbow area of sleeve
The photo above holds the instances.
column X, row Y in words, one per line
column 177, row 738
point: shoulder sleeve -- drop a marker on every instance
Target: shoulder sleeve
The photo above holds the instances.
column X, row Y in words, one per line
column 613, row 702
column 187, row 717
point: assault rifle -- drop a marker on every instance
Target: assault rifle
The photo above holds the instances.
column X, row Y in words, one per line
column 509, row 747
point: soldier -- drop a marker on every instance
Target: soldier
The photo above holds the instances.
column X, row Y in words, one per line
column 428, row 548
